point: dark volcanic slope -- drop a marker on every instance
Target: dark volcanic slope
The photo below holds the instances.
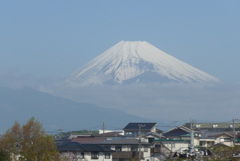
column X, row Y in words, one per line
column 55, row 112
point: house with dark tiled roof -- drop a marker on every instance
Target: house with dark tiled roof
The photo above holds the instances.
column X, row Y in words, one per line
column 78, row 152
column 88, row 140
column 62, row 141
column 178, row 138
column 215, row 133
column 224, row 138
column 176, row 132
column 135, row 129
column 127, row 149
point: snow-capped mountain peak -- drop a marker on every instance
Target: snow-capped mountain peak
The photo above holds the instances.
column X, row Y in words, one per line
column 136, row 61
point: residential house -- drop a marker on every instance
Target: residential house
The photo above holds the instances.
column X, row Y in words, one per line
column 160, row 152
column 176, row 132
column 215, row 133
column 178, row 139
column 152, row 136
column 224, row 138
column 134, row 129
column 174, row 145
column 182, row 133
column 78, row 152
column 127, row 149
column 214, row 127
column 209, row 129
column 207, row 142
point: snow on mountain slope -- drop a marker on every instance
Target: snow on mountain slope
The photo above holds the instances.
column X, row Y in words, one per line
column 136, row 60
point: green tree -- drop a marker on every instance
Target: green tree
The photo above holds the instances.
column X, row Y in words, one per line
column 4, row 156
column 29, row 142
column 223, row 153
column 9, row 142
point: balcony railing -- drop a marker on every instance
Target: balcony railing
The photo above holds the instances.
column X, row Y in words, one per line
column 127, row 155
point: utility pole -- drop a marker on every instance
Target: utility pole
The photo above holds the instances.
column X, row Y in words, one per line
column 234, row 131
column 192, row 140
column 139, row 141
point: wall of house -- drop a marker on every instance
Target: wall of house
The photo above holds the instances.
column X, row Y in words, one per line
column 224, row 139
column 100, row 158
column 108, row 131
column 145, row 149
column 71, row 155
column 207, row 143
column 87, row 156
column 146, row 153
column 196, row 140
column 176, row 146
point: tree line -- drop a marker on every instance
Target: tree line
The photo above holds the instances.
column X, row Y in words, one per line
column 28, row 142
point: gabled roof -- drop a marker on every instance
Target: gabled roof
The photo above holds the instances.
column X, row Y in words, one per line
column 97, row 148
column 181, row 127
column 189, row 135
column 153, row 134
column 171, row 140
column 124, row 142
column 143, row 125
column 62, row 141
column 77, row 147
column 227, row 134
column 212, row 125
column 109, row 134
column 88, row 140
column 177, row 131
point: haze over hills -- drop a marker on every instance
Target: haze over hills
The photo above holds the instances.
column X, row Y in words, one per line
column 137, row 61
column 55, row 112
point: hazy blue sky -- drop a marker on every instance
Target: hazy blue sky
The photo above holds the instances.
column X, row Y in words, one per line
column 52, row 38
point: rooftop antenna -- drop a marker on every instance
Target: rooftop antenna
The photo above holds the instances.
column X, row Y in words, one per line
column 103, row 129
column 60, row 133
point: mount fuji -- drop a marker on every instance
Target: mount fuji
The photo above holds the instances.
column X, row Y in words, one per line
column 136, row 61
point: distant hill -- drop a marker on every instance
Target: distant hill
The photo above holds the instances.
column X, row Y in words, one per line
column 57, row 113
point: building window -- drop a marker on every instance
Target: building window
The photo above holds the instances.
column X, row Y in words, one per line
column 134, row 148
column 118, row 148
column 107, row 155
column 145, row 149
column 94, row 155
column 107, row 146
column 120, row 159
column 82, row 156
column 227, row 139
column 157, row 146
